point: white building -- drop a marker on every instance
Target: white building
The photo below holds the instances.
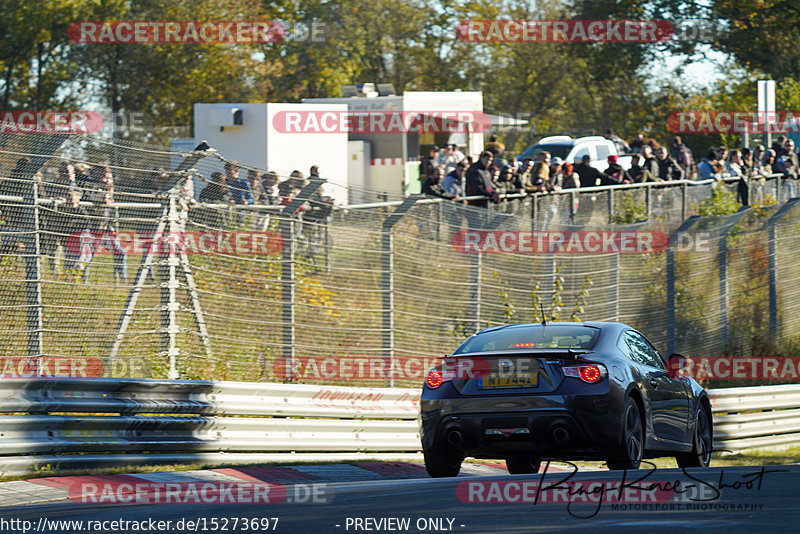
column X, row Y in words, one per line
column 394, row 157
column 250, row 134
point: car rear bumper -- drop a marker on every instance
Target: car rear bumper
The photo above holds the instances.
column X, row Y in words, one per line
column 562, row 426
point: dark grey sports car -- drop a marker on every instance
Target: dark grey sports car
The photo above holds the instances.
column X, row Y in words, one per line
column 562, row 391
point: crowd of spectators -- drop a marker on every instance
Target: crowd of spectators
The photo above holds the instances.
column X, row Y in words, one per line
column 448, row 173
column 82, row 213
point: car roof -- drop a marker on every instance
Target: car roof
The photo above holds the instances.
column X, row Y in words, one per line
column 567, row 140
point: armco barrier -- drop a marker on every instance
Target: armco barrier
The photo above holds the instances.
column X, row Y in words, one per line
column 62, row 422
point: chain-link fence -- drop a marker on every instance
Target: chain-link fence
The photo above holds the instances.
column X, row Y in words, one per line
column 110, row 267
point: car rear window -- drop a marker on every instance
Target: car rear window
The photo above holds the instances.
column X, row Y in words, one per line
column 532, row 337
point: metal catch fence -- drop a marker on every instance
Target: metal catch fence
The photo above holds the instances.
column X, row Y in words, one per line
column 127, row 269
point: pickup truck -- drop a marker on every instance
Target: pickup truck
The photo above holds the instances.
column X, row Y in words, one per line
column 569, row 149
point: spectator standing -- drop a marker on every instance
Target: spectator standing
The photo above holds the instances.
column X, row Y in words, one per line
column 788, row 152
column 541, row 171
column 682, row 155
column 668, row 168
column 479, row 180
column 637, row 143
column 733, row 167
column 433, row 186
column 257, row 187
column 508, row 181
column 569, row 178
column 650, row 163
column 241, row 192
column 778, row 145
column 747, row 162
column 758, row 159
column 428, row 163
column 707, row 168
column 638, row 173
column 524, row 178
column 615, row 174
column 103, row 226
column 454, row 182
column 74, row 224
column 495, row 146
column 449, row 157
column 770, row 165
column 269, row 181
column 216, row 192
column 589, row 176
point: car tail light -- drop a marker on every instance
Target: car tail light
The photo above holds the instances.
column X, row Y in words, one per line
column 444, row 372
column 588, row 373
column 435, row 377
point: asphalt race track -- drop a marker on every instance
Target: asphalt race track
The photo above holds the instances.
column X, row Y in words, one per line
column 731, row 499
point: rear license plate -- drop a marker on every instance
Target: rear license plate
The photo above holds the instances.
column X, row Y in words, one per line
column 509, row 380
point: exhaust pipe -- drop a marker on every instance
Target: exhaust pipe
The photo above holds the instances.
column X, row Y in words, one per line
column 560, row 434
column 454, row 437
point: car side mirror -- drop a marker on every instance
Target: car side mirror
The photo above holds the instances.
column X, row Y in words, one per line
column 676, row 366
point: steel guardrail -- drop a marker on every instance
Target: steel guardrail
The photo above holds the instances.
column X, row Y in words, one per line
column 68, row 421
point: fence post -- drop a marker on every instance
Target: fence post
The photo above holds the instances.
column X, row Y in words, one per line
column 614, row 271
column 773, row 265
column 479, row 222
column 684, row 200
column 610, row 206
column 30, row 229
column 32, row 260
column 387, row 280
column 648, row 200
column 475, row 275
column 671, row 320
column 286, row 226
column 572, row 212
column 722, row 264
column 169, row 284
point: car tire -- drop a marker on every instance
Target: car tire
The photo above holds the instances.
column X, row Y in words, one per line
column 633, row 439
column 442, row 462
column 523, row 465
column 702, row 444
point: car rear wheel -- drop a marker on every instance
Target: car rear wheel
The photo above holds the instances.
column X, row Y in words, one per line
column 632, row 449
column 442, row 462
column 523, row 465
column 702, row 444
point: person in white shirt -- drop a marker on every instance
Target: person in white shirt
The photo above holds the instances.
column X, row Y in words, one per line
column 449, row 157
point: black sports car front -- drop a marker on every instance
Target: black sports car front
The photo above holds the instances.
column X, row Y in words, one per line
column 561, row 391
